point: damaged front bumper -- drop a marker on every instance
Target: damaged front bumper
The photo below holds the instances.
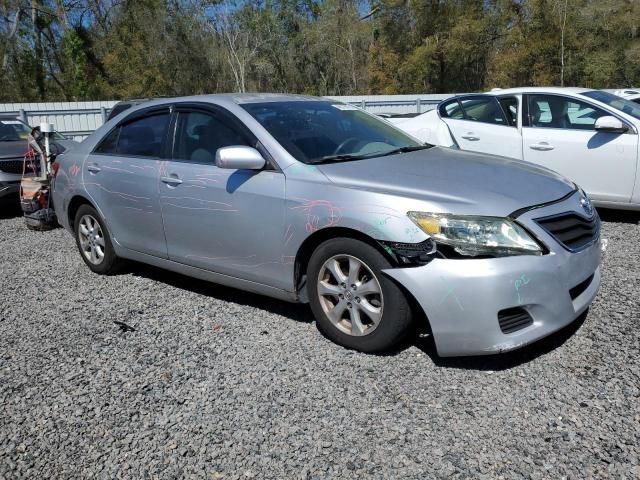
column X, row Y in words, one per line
column 473, row 305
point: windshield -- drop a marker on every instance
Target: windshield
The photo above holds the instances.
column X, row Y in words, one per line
column 13, row 131
column 616, row 102
column 318, row 131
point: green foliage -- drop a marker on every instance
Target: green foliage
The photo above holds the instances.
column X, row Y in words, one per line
column 75, row 63
column 93, row 49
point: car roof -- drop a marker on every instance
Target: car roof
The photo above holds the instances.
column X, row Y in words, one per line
column 507, row 91
column 218, row 98
column 238, row 98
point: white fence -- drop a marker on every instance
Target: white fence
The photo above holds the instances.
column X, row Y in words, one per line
column 78, row 119
column 74, row 119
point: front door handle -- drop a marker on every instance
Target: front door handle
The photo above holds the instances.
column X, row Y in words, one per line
column 541, row 147
column 171, row 180
column 94, row 168
column 471, row 137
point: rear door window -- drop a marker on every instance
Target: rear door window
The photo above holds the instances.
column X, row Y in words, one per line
column 510, row 107
column 483, row 109
column 109, row 144
column 142, row 137
column 452, row 109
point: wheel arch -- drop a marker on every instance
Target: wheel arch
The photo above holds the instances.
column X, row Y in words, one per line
column 76, row 202
column 318, row 237
column 313, row 241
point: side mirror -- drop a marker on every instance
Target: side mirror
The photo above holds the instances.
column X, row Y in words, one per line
column 611, row 124
column 239, row 158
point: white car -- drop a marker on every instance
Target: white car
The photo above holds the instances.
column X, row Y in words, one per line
column 589, row 136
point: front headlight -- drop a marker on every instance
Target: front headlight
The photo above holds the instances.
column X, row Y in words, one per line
column 473, row 236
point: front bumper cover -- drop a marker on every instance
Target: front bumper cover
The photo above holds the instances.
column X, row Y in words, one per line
column 462, row 298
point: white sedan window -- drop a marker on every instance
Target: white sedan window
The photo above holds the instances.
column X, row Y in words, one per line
column 554, row 111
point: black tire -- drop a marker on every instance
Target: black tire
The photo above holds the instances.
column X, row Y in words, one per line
column 396, row 319
column 110, row 262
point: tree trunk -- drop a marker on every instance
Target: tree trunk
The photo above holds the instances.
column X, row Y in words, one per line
column 38, row 50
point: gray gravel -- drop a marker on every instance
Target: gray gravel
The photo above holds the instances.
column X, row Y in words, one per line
column 152, row 375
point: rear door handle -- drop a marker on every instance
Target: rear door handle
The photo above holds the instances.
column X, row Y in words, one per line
column 471, row 137
column 171, row 180
column 93, row 168
column 541, row 147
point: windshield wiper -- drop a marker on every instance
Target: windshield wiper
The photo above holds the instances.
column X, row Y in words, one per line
column 412, row 148
column 343, row 157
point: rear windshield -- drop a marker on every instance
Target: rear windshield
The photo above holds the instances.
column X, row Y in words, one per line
column 614, row 101
column 315, row 130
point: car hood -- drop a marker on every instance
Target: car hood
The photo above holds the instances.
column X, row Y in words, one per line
column 454, row 181
column 13, row 149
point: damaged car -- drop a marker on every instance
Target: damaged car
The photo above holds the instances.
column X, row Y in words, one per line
column 14, row 134
column 311, row 200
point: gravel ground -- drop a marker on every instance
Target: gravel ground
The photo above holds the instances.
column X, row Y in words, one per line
column 152, row 375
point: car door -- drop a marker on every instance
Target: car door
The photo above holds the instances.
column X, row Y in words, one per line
column 226, row 221
column 121, row 175
column 479, row 124
column 559, row 133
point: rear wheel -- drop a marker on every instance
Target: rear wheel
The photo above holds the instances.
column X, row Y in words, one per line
column 354, row 303
column 94, row 242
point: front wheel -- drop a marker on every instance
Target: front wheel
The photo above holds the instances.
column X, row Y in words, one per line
column 354, row 303
column 94, row 242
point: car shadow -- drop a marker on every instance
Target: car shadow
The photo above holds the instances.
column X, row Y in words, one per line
column 601, row 138
column 503, row 361
column 9, row 208
column 295, row 311
column 619, row 216
column 302, row 313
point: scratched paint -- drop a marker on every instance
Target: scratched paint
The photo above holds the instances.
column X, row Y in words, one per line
column 288, row 234
column 169, row 197
column 451, row 293
column 315, row 210
column 125, row 196
column 518, row 284
column 381, row 222
column 412, row 232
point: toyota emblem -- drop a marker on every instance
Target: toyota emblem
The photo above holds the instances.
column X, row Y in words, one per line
column 586, row 205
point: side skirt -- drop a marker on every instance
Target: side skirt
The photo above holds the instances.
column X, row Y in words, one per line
column 208, row 275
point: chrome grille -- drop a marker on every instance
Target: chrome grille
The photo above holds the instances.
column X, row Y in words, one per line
column 571, row 230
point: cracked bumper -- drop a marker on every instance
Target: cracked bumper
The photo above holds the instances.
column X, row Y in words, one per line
column 462, row 298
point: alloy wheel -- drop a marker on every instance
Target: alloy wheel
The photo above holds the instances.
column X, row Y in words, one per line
column 350, row 295
column 91, row 239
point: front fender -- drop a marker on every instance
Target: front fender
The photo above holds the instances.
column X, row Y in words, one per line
column 312, row 206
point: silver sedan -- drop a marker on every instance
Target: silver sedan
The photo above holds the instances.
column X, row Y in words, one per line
column 311, row 200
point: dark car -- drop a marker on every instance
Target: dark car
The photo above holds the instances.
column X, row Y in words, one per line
column 13, row 146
